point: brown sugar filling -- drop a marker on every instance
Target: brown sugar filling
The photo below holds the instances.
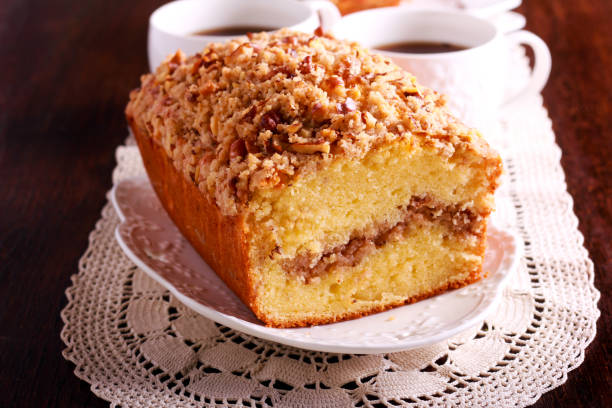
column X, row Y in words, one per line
column 420, row 210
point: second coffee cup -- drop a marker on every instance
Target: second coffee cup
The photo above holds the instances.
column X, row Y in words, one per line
column 463, row 56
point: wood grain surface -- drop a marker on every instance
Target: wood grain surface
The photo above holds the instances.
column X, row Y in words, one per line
column 66, row 68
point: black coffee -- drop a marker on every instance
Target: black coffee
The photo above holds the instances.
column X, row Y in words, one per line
column 235, row 30
column 420, row 47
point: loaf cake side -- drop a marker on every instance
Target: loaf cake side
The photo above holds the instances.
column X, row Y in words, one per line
column 219, row 239
column 320, row 181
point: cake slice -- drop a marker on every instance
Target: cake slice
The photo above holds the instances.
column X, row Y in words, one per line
column 318, row 180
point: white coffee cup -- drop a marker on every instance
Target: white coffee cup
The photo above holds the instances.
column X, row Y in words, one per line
column 171, row 27
column 476, row 78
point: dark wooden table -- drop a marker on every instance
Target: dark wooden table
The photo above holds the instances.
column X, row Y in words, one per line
column 65, row 71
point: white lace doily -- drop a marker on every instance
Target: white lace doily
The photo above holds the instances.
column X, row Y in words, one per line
column 139, row 347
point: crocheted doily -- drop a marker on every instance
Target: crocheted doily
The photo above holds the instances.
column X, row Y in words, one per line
column 138, row 346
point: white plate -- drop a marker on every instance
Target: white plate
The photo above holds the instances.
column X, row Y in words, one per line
column 150, row 239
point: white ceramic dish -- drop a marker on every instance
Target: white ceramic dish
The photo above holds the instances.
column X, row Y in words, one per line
column 150, row 239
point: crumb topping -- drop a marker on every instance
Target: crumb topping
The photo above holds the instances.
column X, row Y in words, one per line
column 256, row 111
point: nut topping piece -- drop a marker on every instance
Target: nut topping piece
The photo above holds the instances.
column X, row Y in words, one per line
column 237, row 149
column 269, row 120
column 310, row 148
column 347, row 106
column 305, row 66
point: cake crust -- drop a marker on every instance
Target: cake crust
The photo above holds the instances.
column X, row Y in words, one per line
column 219, row 239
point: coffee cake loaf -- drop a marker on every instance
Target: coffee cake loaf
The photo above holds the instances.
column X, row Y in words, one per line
column 320, row 181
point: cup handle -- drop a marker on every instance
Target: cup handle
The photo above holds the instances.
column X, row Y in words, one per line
column 328, row 13
column 541, row 68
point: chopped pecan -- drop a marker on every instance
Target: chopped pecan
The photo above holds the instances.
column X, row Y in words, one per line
column 352, row 80
column 283, row 179
column 209, row 58
column 206, row 158
column 318, row 112
column 196, row 66
column 243, row 49
column 310, row 148
column 279, row 70
column 237, row 50
column 373, row 75
column 411, row 91
column 175, row 61
column 243, row 195
column 208, row 88
column 293, row 128
column 305, row 66
column 277, row 144
column 269, row 120
column 347, row 106
column 328, row 134
column 192, row 93
column 292, row 40
column 335, row 81
column 237, row 149
column 334, row 85
column 191, row 96
column 251, row 147
column 176, row 58
column 250, row 114
column 172, row 66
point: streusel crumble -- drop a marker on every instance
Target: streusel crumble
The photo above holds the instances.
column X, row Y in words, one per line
column 255, row 111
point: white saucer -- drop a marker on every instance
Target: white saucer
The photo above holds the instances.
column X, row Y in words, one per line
column 150, row 239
